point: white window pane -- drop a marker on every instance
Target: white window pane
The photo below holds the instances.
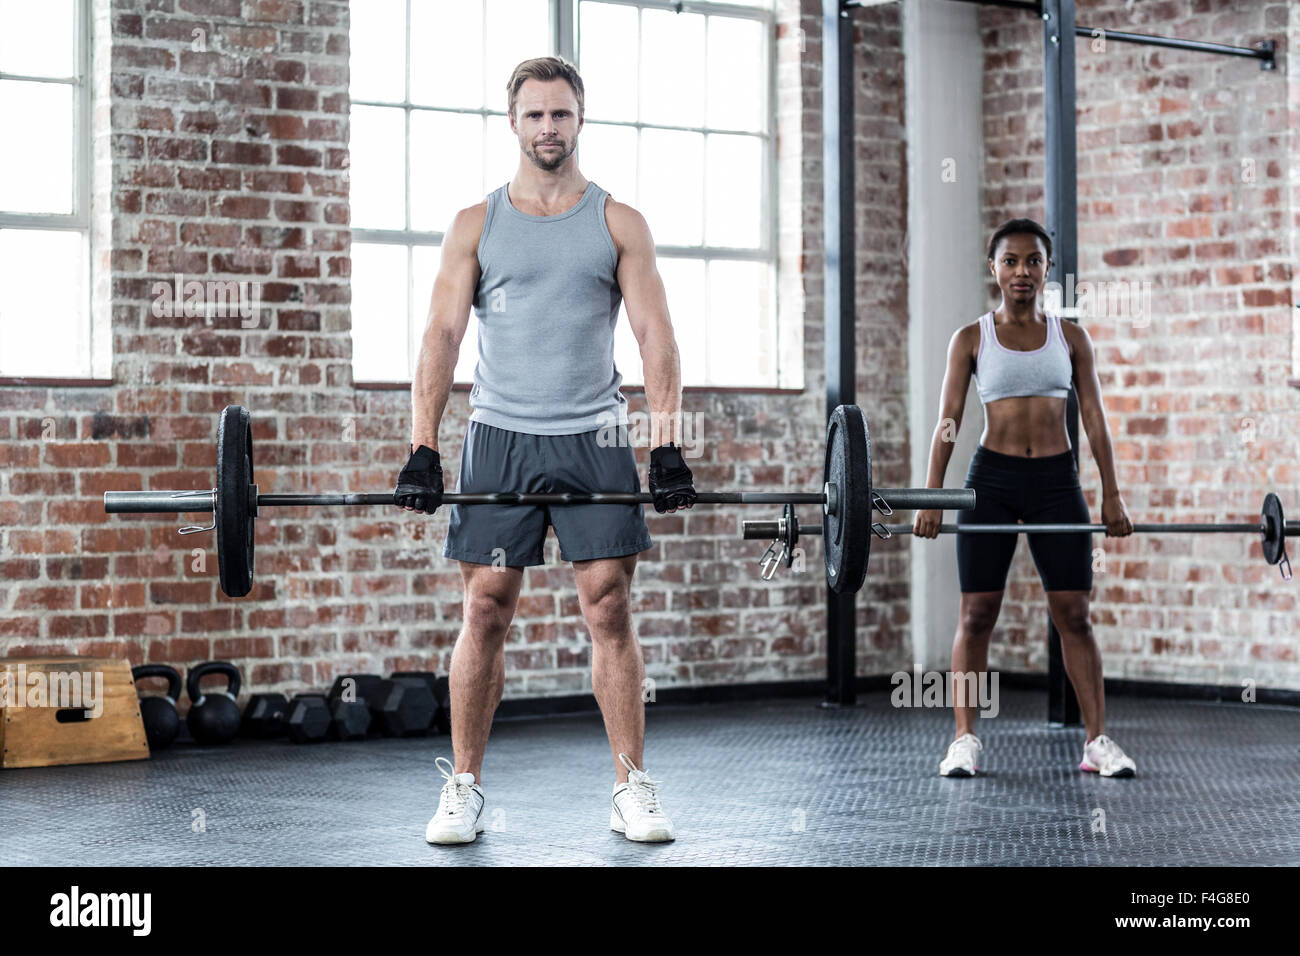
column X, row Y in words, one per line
column 672, row 68
column 606, row 43
column 684, row 283
column 38, row 39
column 734, row 191
column 607, row 155
column 517, row 30
column 44, row 325
column 447, row 53
column 672, row 189
column 426, row 260
column 737, row 81
column 741, row 333
column 377, row 50
column 379, row 313
column 377, row 177
column 502, row 159
column 38, row 176
column 446, row 166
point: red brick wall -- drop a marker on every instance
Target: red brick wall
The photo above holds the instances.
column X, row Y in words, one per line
column 222, row 153
column 1183, row 165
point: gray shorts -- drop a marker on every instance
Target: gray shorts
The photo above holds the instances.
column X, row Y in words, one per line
column 494, row 459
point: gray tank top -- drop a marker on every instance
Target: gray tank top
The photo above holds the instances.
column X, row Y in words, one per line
column 1001, row 372
column 547, row 302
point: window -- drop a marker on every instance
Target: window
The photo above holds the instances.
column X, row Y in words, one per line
column 45, row 324
column 691, row 149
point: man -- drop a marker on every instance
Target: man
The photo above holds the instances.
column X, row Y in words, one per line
column 545, row 261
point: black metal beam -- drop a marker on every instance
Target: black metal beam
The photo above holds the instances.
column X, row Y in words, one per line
column 840, row 313
column 1060, row 193
column 1264, row 52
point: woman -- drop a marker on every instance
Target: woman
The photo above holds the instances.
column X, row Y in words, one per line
column 1024, row 361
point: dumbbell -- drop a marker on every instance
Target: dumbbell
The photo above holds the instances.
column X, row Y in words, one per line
column 264, row 716
column 307, row 719
column 161, row 722
column 439, row 687
column 313, row 717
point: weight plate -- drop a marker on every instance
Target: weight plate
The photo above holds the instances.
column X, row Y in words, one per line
column 234, row 513
column 1272, row 530
column 846, row 534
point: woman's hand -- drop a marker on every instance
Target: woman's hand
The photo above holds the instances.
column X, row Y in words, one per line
column 1114, row 515
column 926, row 523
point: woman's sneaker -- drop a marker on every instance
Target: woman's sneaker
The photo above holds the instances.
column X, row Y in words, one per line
column 460, row 808
column 636, row 812
column 963, row 757
column 1102, row 755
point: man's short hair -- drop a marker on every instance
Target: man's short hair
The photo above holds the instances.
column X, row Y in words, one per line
column 544, row 68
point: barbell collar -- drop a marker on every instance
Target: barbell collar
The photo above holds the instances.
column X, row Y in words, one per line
column 157, row 502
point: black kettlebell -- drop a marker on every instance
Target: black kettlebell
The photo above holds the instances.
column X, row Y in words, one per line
column 213, row 717
column 161, row 722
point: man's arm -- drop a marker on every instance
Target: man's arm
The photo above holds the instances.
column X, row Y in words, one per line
column 647, row 313
column 453, row 294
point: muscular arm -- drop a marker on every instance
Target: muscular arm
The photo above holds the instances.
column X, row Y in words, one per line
column 952, row 403
column 1091, row 412
column 453, row 293
column 647, row 313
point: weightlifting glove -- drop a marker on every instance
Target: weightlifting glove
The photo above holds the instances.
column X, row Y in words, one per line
column 670, row 480
column 419, row 486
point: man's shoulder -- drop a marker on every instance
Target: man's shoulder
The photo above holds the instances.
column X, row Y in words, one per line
column 467, row 226
column 626, row 225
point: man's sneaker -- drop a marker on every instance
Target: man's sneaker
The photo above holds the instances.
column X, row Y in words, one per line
column 963, row 757
column 1102, row 755
column 636, row 812
column 459, row 808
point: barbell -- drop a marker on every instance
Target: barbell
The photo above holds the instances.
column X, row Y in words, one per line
column 1273, row 530
column 847, row 500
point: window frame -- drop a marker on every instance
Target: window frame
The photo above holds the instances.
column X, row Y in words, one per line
column 80, row 219
column 565, row 30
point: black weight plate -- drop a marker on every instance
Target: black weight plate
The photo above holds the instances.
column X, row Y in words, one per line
column 1272, row 531
column 846, row 535
column 233, row 512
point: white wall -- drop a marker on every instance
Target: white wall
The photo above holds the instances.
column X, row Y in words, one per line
column 944, row 75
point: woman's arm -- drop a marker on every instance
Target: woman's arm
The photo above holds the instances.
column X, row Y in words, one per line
column 952, row 405
column 1093, row 416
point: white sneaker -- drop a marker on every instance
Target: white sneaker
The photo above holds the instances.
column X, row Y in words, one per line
column 636, row 812
column 1102, row 755
column 963, row 757
column 459, row 808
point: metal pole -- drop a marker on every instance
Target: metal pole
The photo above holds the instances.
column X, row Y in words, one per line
column 1061, row 195
column 839, row 315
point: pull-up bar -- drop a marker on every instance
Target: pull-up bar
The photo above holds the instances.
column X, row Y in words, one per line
column 1264, row 52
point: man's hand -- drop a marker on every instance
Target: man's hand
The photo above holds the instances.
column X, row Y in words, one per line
column 670, row 480
column 419, row 486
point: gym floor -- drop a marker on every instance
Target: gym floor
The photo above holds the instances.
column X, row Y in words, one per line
column 778, row 782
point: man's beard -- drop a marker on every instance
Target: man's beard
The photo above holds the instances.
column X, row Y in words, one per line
column 550, row 160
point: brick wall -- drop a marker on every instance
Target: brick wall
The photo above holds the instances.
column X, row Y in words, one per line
column 1183, row 165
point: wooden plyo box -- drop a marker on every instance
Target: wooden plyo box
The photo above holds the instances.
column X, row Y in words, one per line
column 61, row 710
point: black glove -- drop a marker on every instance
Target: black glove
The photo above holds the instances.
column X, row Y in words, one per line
column 419, row 486
column 670, row 480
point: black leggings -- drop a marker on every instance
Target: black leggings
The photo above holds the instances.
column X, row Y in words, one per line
column 1011, row 488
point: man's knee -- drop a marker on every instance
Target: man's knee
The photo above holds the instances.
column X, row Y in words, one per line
column 488, row 613
column 608, row 612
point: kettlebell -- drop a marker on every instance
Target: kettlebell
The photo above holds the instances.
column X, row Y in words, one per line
column 161, row 722
column 214, row 716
